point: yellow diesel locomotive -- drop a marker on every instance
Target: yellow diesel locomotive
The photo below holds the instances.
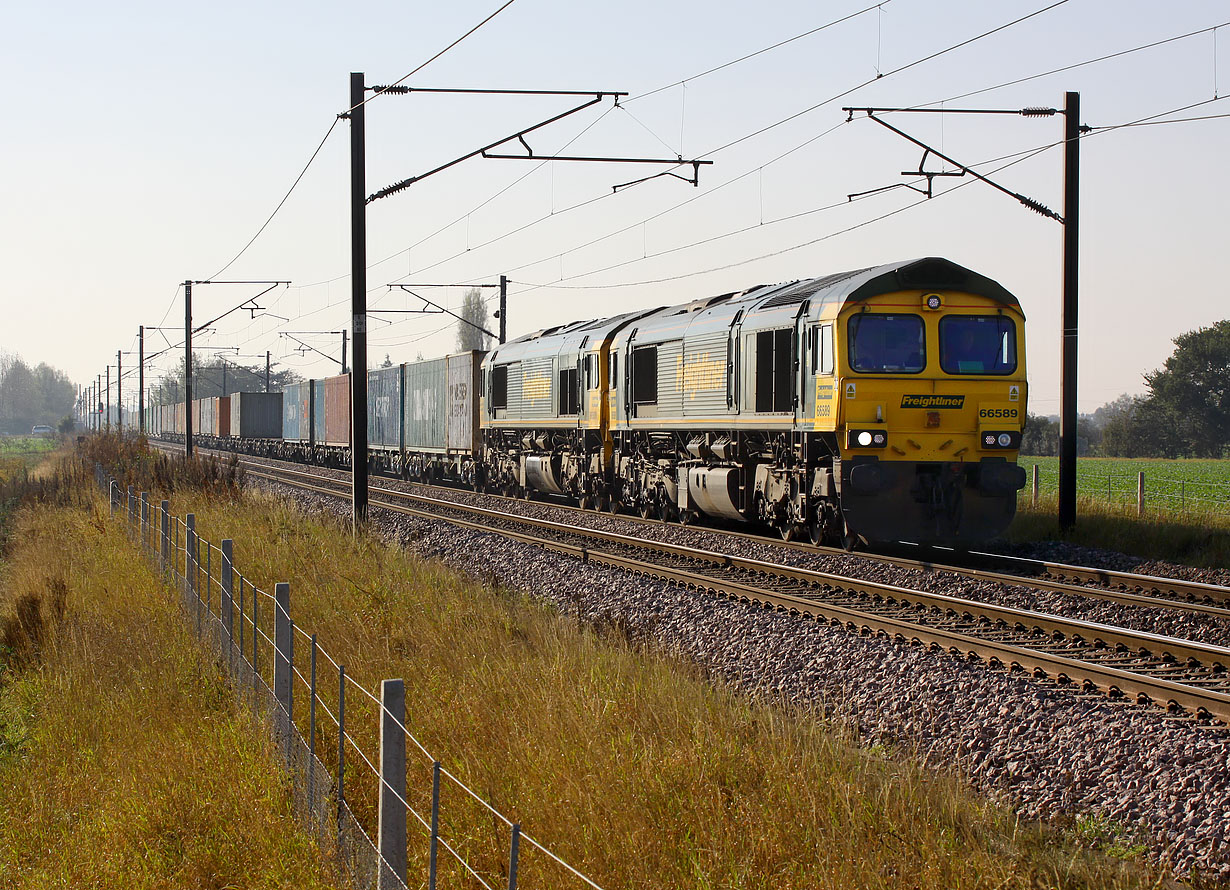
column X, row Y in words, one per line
column 884, row 404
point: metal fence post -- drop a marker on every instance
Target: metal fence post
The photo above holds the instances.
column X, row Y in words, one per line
column 131, row 500
column 283, row 646
column 111, row 495
column 1037, row 486
column 392, row 819
column 290, row 697
column 512, row 856
column 209, row 581
column 166, row 534
column 256, row 614
column 341, row 749
column 189, row 565
column 144, row 519
column 1140, row 494
column 435, row 825
column 312, row 731
column 241, row 653
column 227, row 605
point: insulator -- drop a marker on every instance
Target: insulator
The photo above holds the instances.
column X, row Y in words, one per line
column 1038, row 112
column 1037, row 207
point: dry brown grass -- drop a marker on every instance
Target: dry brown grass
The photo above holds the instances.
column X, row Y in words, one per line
column 125, row 760
column 623, row 761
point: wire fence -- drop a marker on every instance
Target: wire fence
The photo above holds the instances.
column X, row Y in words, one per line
column 252, row 635
column 1145, row 492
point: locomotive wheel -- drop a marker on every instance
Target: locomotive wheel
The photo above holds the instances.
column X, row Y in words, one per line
column 646, row 509
column 815, row 530
column 849, row 540
column 666, row 510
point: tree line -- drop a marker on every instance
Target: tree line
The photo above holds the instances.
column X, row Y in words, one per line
column 1185, row 413
column 33, row 395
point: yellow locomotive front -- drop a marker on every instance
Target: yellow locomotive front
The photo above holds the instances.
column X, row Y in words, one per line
column 928, row 409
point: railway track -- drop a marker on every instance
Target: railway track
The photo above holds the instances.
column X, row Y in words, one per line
column 1178, row 674
column 1123, row 588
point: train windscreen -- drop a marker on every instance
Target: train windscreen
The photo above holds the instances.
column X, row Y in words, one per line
column 887, row 343
column 977, row 344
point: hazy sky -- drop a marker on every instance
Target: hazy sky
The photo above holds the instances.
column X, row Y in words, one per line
column 146, row 143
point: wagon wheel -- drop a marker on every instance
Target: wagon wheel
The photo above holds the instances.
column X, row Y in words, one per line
column 585, row 500
column 787, row 531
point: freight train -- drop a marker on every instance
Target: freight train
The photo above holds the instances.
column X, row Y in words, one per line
column 881, row 404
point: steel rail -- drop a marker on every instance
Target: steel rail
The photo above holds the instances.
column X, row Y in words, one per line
column 1111, row 680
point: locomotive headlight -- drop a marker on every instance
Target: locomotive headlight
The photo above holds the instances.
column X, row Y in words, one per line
column 1004, row 440
column 873, row 438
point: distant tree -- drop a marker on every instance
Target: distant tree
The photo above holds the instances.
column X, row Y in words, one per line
column 30, row 396
column 1041, row 438
column 387, row 363
column 474, row 311
column 1140, row 427
column 1192, row 390
column 210, row 372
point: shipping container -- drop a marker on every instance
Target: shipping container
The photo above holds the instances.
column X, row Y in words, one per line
column 181, row 413
column 425, row 405
column 294, row 424
column 463, row 402
column 215, row 416
column 256, row 415
column 337, row 410
column 384, row 406
column 317, row 394
column 222, row 416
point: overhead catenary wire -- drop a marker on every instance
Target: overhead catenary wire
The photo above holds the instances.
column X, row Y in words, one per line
column 743, row 138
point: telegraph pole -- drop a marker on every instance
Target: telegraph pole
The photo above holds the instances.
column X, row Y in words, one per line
column 98, row 403
column 119, row 392
column 266, row 370
column 188, row 369
column 503, row 307
column 358, row 303
column 343, row 351
column 1067, row 376
column 108, row 398
column 141, row 377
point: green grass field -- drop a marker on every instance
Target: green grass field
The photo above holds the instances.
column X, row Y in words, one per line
column 16, row 445
column 1186, row 517
column 1173, row 486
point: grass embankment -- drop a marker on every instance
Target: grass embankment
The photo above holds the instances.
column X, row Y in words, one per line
column 623, row 761
column 125, row 761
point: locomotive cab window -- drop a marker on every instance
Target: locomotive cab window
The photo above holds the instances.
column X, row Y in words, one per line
column 569, row 403
column 821, row 347
column 881, row 343
column 774, row 381
column 645, row 375
column 977, row 344
column 499, row 387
